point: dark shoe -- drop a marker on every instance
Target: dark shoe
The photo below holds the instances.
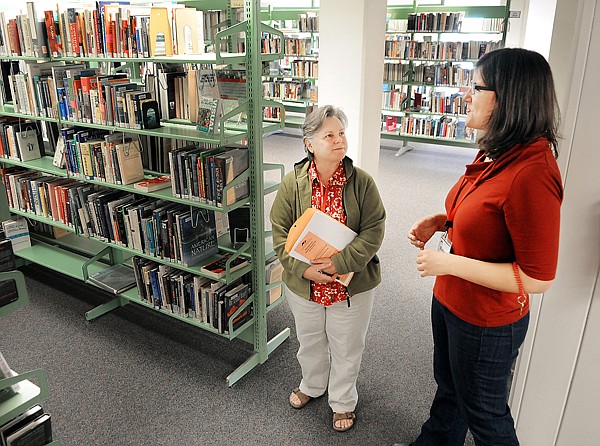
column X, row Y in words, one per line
column 304, row 399
column 339, row 416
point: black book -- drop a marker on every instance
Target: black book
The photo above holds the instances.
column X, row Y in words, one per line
column 218, row 268
column 228, row 166
column 8, row 288
column 34, row 433
column 116, row 278
column 198, row 235
column 150, row 114
column 20, row 421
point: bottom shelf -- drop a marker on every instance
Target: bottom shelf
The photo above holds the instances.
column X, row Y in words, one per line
column 72, row 264
column 28, row 394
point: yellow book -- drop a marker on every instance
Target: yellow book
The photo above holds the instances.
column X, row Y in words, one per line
column 159, row 32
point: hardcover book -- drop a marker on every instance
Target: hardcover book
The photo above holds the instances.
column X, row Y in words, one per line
column 208, row 112
column 115, row 279
column 218, row 268
column 228, row 166
column 36, row 432
column 8, row 288
column 17, row 423
column 153, row 184
column 197, row 235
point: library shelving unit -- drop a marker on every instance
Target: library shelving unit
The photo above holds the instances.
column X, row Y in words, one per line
column 294, row 80
column 429, row 65
column 28, row 394
column 78, row 256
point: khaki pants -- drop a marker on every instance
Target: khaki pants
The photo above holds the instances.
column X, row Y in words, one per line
column 332, row 341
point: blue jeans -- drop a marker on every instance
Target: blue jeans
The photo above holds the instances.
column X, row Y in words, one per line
column 471, row 367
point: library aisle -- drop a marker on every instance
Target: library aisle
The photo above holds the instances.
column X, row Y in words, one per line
column 135, row 377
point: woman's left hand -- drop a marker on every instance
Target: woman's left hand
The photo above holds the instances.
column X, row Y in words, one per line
column 433, row 263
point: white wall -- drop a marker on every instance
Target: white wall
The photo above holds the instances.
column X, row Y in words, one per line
column 557, row 405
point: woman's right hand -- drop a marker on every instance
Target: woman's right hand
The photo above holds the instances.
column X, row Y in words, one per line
column 423, row 230
column 314, row 274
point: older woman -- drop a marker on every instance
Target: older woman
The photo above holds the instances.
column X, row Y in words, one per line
column 501, row 242
column 331, row 319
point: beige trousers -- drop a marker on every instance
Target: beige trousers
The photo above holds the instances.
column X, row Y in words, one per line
column 332, row 341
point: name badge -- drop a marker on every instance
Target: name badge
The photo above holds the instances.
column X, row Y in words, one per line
column 445, row 243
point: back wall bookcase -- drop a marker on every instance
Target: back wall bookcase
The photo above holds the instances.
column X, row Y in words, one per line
column 429, row 56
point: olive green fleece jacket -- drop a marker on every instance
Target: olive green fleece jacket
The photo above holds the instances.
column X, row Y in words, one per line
column 365, row 215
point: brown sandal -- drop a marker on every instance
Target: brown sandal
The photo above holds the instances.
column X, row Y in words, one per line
column 304, row 399
column 339, row 416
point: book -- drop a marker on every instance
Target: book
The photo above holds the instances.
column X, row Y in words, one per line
column 115, row 279
column 189, row 31
column 8, row 288
column 208, row 110
column 19, row 421
column 197, row 235
column 150, row 114
column 218, row 268
column 273, row 273
column 17, row 232
column 316, row 235
column 36, row 432
column 129, row 157
column 159, row 32
column 153, row 184
column 228, row 166
column 239, row 225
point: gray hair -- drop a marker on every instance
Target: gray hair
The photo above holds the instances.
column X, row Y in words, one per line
column 314, row 121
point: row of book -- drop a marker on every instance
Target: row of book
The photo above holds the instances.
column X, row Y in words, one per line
column 437, row 22
column 448, row 127
column 96, row 154
column 441, row 74
column 304, row 68
column 77, row 93
column 166, row 230
column 402, row 48
column 185, row 294
column 308, row 22
column 20, row 140
column 282, row 89
column 202, row 173
column 299, row 46
column 109, row 30
column 437, row 102
column 467, row 25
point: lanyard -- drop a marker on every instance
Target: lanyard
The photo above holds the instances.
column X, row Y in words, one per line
column 457, row 202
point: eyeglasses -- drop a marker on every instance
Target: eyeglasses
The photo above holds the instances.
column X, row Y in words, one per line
column 477, row 88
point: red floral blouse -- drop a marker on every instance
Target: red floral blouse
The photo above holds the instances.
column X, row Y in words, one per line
column 328, row 199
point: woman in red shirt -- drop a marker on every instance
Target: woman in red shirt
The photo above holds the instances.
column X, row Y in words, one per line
column 501, row 242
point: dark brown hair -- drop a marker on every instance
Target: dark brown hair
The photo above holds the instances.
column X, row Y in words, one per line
column 526, row 104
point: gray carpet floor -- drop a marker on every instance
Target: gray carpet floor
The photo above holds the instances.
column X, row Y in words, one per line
column 136, row 377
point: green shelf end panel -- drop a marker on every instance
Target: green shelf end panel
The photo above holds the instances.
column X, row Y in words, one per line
column 22, row 297
column 28, row 394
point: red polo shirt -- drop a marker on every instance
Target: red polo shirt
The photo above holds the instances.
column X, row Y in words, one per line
column 511, row 214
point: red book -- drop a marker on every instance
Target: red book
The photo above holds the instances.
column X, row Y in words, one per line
column 51, row 31
column 13, row 37
column 153, row 184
